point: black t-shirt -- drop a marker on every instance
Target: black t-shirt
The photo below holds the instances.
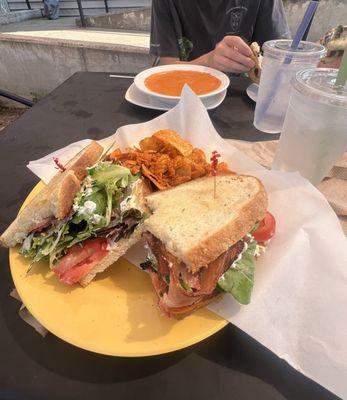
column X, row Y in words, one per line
column 189, row 28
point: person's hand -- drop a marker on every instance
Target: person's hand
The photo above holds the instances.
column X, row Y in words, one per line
column 231, row 55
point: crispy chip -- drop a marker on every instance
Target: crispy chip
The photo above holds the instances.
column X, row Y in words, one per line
column 116, row 153
column 147, row 173
column 149, row 143
column 173, row 142
column 198, row 170
column 198, row 156
column 166, row 160
column 224, row 169
column 182, row 166
column 161, row 165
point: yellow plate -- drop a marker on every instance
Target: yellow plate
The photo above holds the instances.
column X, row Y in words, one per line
column 116, row 314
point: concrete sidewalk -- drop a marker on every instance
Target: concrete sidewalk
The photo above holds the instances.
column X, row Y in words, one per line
column 38, row 55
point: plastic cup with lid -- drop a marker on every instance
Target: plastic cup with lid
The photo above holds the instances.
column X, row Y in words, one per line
column 279, row 66
column 314, row 134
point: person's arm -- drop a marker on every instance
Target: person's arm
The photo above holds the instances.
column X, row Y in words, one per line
column 271, row 22
column 230, row 55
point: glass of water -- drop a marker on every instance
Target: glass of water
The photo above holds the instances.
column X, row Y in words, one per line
column 314, row 134
column 280, row 64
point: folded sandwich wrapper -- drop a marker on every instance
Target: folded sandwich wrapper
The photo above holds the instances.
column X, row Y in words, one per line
column 299, row 302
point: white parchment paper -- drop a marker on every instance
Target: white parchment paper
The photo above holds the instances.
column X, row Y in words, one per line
column 299, row 302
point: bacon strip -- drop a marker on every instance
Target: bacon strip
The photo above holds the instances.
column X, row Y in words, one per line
column 211, row 274
column 173, row 298
column 192, row 280
column 176, row 295
column 184, row 310
column 163, row 257
column 159, row 285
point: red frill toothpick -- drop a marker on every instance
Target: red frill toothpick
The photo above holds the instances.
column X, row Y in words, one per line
column 58, row 164
column 214, row 169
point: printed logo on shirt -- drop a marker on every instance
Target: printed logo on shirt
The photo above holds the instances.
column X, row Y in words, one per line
column 236, row 15
column 185, row 48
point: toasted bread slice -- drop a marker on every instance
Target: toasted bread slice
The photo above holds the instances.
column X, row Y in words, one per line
column 196, row 227
column 55, row 200
column 84, row 159
column 50, row 203
column 141, row 190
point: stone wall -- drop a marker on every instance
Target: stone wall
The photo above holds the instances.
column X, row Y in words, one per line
column 330, row 13
column 32, row 67
column 137, row 20
column 18, row 16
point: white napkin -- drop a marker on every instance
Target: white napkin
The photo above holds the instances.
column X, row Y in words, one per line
column 299, row 302
column 24, row 313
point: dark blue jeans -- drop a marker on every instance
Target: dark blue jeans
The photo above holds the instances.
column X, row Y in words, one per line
column 51, row 8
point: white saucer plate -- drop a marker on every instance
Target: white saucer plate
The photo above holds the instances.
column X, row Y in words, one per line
column 252, row 91
column 141, row 99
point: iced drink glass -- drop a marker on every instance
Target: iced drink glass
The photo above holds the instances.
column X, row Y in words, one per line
column 280, row 64
column 314, row 134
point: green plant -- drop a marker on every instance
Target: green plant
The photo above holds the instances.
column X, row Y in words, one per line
column 36, row 97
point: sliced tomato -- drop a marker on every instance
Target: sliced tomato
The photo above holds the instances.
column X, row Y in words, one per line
column 266, row 228
column 80, row 259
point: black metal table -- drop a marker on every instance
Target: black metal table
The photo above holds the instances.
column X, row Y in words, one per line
column 228, row 365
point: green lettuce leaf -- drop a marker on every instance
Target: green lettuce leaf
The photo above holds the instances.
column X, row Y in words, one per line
column 114, row 178
column 110, row 175
column 105, row 186
column 98, row 196
column 238, row 280
column 42, row 246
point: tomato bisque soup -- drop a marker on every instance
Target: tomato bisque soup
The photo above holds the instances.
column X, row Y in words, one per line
column 171, row 83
